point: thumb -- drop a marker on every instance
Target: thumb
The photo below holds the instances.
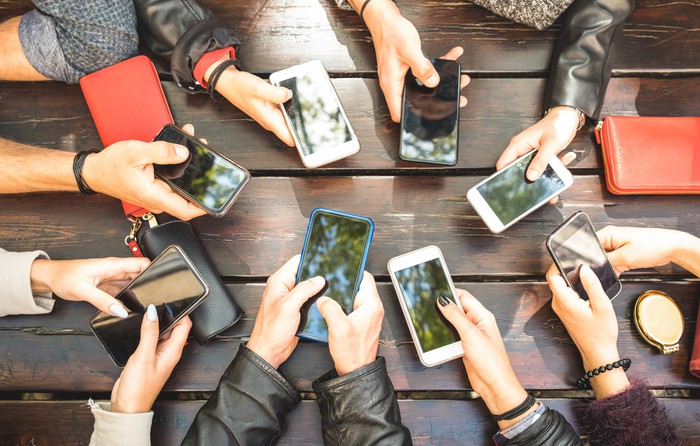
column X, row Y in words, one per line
column 331, row 311
column 425, row 71
column 596, row 294
column 271, row 93
column 456, row 317
column 162, row 152
column 547, row 150
column 149, row 332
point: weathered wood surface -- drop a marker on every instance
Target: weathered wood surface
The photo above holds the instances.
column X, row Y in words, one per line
column 67, row 357
column 498, row 109
column 432, row 422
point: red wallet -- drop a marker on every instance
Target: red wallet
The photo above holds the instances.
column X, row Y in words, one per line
column 126, row 101
column 651, row 155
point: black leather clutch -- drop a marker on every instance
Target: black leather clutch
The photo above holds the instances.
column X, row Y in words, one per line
column 219, row 311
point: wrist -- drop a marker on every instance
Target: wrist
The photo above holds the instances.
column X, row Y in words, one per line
column 212, row 67
column 502, row 395
column 345, row 368
column 264, row 353
column 40, row 276
column 599, row 357
column 90, row 172
column 685, row 247
column 571, row 115
column 377, row 13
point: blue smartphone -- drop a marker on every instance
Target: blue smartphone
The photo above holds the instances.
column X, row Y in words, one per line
column 336, row 248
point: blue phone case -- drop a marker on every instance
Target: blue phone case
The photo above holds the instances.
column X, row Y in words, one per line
column 301, row 333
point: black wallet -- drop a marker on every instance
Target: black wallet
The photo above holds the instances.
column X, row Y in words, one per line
column 218, row 311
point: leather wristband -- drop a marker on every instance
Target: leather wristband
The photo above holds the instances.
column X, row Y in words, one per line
column 216, row 74
column 209, row 59
column 518, row 410
column 78, row 163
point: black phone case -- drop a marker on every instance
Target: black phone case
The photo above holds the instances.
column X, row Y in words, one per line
column 219, row 310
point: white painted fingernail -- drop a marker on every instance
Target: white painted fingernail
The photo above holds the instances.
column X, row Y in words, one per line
column 151, row 313
column 118, row 311
column 433, row 80
column 289, row 94
column 532, row 174
column 181, row 151
column 318, row 280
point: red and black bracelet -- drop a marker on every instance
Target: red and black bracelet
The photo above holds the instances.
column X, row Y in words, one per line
column 584, row 382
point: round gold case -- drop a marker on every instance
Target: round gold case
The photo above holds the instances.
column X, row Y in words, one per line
column 659, row 320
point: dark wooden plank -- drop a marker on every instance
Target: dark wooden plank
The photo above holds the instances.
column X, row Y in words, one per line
column 431, row 422
column 65, row 356
column 498, row 109
column 267, row 224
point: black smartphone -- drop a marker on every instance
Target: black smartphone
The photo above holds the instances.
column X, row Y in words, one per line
column 336, row 248
column 574, row 244
column 430, row 117
column 206, row 178
column 171, row 283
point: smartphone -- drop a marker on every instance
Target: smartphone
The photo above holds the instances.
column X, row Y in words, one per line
column 419, row 277
column 315, row 116
column 575, row 243
column 336, row 248
column 507, row 196
column 430, row 117
column 171, row 283
column 206, row 178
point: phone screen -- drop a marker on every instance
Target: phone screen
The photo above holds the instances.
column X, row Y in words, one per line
column 315, row 112
column 420, row 286
column 577, row 244
column 207, row 177
column 430, row 119
column 510, row 194
column 336, row 248
column 168, row 283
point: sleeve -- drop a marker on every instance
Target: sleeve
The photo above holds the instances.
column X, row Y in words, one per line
column 549, row 429
column 248, row 406
column 343, row 4
column 15, row 282
column 182, row 31
column 360, row 408
column 116, row 429
column 633, row 416
column 582, row 58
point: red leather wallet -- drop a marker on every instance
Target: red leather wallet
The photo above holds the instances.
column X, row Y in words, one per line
column 651, row 155
column 127, row 101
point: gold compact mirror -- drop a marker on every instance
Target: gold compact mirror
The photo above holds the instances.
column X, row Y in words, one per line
column 659, row 320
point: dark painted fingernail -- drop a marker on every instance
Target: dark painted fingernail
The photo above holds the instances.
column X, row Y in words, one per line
column 443, row 301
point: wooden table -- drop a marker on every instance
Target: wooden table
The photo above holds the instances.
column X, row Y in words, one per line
column 49, row 365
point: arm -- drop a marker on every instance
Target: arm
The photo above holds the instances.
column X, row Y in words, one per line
column 15, row 280
column 127, row 418
column 348, row 415
column 252, row 398
column 581, row 68
column 492, row 377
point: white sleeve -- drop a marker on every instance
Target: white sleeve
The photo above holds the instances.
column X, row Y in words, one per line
column 17, row 298
column 117, row 429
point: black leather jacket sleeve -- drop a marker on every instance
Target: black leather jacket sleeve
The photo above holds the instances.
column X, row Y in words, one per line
column 551, row 429
column 248, row 406
column 582, row 58
column 360, row 408
column 182, row 31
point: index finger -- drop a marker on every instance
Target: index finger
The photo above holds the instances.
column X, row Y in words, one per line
column 285, row 278
column 392, row 86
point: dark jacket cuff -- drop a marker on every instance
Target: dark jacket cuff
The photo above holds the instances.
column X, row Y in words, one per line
column 582, row 58
column 633, row 416
column 551, row 429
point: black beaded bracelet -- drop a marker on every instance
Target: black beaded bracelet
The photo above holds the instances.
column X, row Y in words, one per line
column 216, row 74
column 78, row 162
column 584, row 382
column 518, row 410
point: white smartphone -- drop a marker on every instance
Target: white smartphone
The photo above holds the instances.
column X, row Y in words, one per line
column 315, row 116
column 419, row 277
column 507, row 196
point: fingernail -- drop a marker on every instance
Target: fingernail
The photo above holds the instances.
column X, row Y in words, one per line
column 433, row 80
column 151, row 313
column 443, row 301
column 118, row 310
column 585, row 269
column 181, row 151
column 289, row 94
column 318, row 280
column 532, row 174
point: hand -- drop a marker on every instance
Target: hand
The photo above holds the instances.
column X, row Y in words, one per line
column 592, row 326
column 353, row 339
column 124, row 170
column 398, row 48
column 150, row 366
column 274, row 333
column 90, row 280
column 257, row 99
column 632, row 248
column 550, row 135
column 485, row 356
